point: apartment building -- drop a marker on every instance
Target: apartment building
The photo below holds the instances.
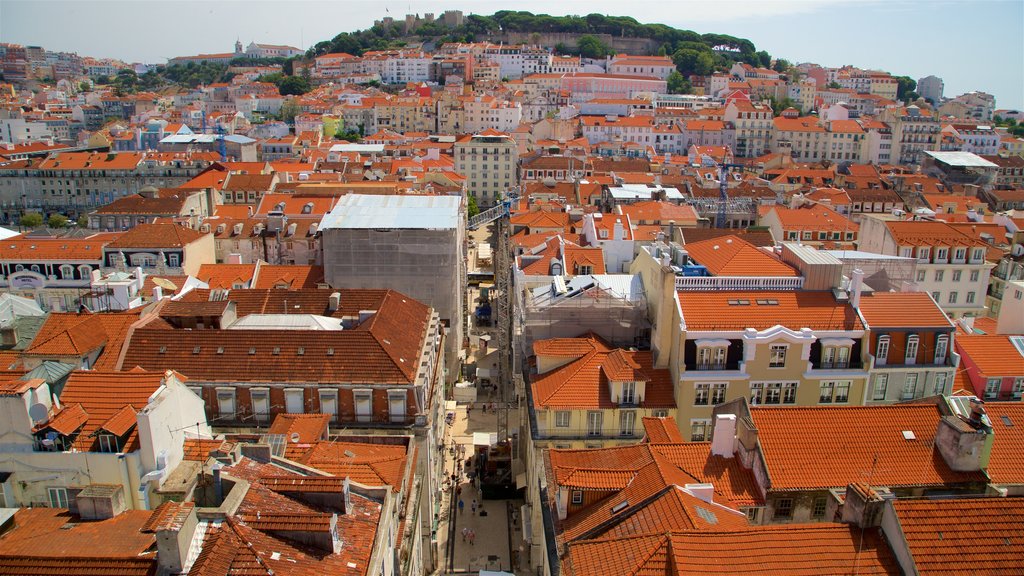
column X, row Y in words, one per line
column 951, row 265
column 587, row 393
column 633, row 65
column 914, row 131
column 489, row 160
column 752, row 124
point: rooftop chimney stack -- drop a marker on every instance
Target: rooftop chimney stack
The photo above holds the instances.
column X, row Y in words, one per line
column 723, row 439
column 335, row 302
column 856, row 285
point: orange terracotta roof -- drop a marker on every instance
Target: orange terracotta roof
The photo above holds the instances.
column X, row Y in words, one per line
column 109, row 400
column 73, row 547
column 294, row 276
column 226, row 275
column 1005, row 466
column 661, row 430
column 807, row 448
column 156, row 236
column 926, row 233
column 902, row 309
column 372, row 464
column 734, row 256
column 583, row 382
column 307, row 427
column 994, row 355
column 714, row 310
column 70, row 334
column 813, row 218
column 963, row 535
column 22, row 248
column 818, row 549
column 199, row 449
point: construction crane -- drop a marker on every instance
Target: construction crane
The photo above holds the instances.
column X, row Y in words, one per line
column 501, row 480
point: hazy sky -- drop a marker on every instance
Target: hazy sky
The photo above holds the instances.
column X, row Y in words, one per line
column 976, row 45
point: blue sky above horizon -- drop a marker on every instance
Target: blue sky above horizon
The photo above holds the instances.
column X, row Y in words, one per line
column 976, row 45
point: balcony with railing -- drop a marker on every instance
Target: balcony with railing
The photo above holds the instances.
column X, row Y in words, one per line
column 739, row 282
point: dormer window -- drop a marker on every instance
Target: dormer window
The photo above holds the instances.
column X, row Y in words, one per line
column 628, row 393
column 977, row 255
column 923, row 253
column 108, row 443
column 711, row 356
column 941, row 255
column 777, row 356
column 959, row 255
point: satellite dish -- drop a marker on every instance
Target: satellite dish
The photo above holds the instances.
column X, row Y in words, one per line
column 165, row 284
column 38, row 413
column 295, row 437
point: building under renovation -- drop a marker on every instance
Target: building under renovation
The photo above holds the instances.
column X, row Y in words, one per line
column 412, row 244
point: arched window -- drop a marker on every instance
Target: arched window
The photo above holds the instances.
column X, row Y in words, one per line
column 941, row 348
column 18, row 267
column 67, row 272
column 84, row 271
column 35, row 268
column 912, row 345
column 882, row 352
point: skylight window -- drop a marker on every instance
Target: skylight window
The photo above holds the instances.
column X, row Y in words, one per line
column 620, row 506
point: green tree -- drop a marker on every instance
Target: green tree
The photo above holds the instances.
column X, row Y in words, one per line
column 904, row 86
column 31, row 220
column 677, row 83
column 83, row 221
column 471, row 206
column 833, row 85
column 764, row 59
column 289, row 110
column 57, row 221
column 781, row 65
column 293, row 86
column 689, row 61
column 104, row 80
column 84, row 86
column 591, row 47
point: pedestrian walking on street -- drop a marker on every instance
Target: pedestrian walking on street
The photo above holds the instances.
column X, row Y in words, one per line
column 473, row 507
column 472, row 538
column 465, row 532
column 461, row 506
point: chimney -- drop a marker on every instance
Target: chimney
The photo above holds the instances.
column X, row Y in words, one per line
column 671, row 231
column 158, row 293
column 965, row 443
column 862, row 506
column 95, row 276
column 233, row 258
column 723, row 439
column 218, row 484
column 334, row 302
column 856, row 285
column 619, row 232
column 174, row 535
column 705, row 492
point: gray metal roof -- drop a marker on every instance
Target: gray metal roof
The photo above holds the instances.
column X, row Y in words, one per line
column 962, row 159
column 361, row 211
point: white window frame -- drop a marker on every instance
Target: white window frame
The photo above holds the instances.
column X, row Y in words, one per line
column 225, row 394
column 880, row 383
column 910, row 383
column 108, row 443
column 913, row 346
column 777, row 355
column 627, row 422
column 941, row 381
column 396, row 397
column 290, row 394
column 882, row 350
column 703, row 425
column 360, row 396
column 629, row 395
column 941, row 348
column 329, row 396
column 57, row 496
column 262, row 395
column 576, row 497
column 992, row 386
column 1018, row 387
column 718, row 392
column 595, row 423
column 563, row 418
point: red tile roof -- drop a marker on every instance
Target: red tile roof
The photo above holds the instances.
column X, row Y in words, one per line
column 294, row 276
column 995, row 356
column 306, row 427
column 22, row 248
column 156, row 236
column 705, row 310
column 371, row 464
column 902, row 309
column 659, row 211
column 661, row 430
column 383, row 349
column 226, row 275
column 963, row 535
column 583, row 382
column 110, row 401
column 69, row 334
column 734, row 256
column 807, row 448
column 1005, row 465
column 113, row 547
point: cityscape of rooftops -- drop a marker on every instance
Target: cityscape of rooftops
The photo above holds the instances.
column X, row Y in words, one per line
column 412, row 288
